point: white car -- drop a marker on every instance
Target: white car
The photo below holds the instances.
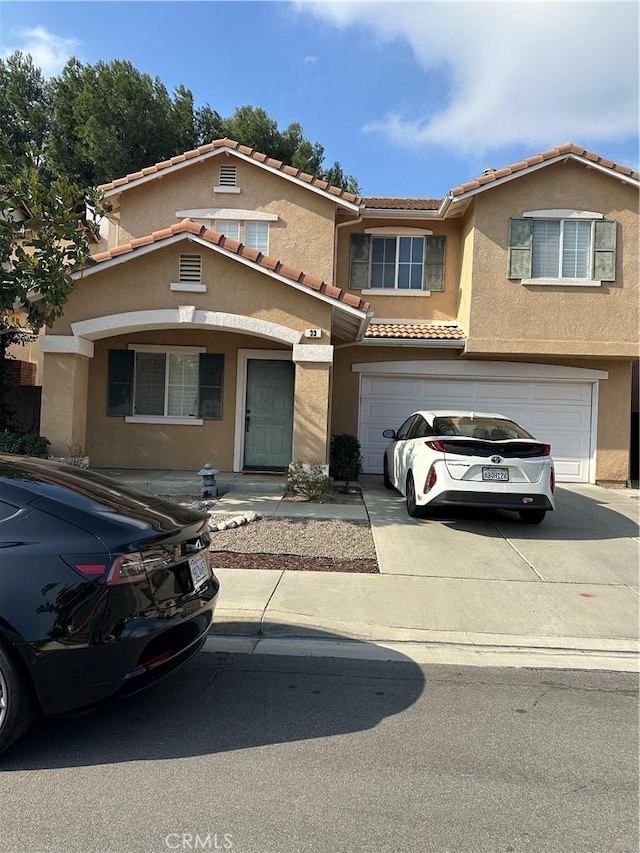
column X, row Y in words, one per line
column 469, row 459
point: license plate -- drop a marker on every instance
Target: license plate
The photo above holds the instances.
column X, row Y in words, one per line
column 495, row 474
column 199, row 567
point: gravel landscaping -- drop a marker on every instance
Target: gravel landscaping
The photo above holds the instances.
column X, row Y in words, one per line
column 295, row 544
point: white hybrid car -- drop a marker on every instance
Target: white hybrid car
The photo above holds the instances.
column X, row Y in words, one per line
column 469, row 459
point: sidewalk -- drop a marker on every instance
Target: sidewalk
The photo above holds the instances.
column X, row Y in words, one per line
column 449, row 591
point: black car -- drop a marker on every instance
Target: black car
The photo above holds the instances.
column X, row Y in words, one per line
column 102, row 589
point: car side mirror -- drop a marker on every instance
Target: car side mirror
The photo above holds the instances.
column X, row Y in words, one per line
column 389, row 433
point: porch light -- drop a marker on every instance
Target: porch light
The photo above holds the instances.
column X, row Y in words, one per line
column 209, row 487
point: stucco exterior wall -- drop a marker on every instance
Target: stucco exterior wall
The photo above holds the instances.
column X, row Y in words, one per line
column 506, row 316
column 438, row 305
column 302, row 236
column 143, row 283
column 466, row 270
column 311, row 413
column 63, row 418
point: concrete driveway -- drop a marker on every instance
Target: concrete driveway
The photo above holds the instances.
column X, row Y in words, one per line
column 591, row 537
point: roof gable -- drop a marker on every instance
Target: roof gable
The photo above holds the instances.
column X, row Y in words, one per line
column 188, row 230
column 569, row 151
column 229, row 146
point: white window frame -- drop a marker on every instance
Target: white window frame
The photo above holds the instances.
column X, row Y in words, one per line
column 389, row 231
column 562, row 216
column 163, row 419
column 252, row 245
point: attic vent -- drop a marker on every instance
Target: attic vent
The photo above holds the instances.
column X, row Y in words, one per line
column 190, row 267
column 228, row 175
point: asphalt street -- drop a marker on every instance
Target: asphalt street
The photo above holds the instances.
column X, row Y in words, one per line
column 261, row 754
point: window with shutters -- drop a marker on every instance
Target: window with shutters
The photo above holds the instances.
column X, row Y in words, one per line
column 405, row 263
column 176, row 384
column 578, row 249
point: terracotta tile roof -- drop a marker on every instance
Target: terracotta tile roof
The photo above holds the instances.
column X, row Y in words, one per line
column 242, row 149
column 382, row 203
column 514, row 168
column 415, row 331
column 187, row 226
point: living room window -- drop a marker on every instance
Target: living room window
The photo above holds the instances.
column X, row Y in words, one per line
column 174, row 384
column 406, row 262
column 575, row 249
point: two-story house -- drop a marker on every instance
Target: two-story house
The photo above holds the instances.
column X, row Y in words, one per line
column 240, row 312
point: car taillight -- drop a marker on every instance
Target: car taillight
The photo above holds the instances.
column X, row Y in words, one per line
column 431, row 478
column 546, row 450
column 90, row 566
column 435, row 445
column 132, row 568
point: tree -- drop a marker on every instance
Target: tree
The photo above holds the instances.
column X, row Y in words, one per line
column 44, row 235
column 24, row 104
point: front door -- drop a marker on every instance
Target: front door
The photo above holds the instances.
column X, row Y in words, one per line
column 269, row 414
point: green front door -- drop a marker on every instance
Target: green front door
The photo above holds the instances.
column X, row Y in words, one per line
column 269, row 414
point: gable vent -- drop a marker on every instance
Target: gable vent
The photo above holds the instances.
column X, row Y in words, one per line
column 190, row 267
column 228, row 175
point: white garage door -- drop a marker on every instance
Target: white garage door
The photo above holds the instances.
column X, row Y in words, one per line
column 555, row 412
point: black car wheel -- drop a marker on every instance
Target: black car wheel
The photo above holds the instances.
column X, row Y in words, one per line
column 413, row 509
column 17, row 705
column 532, row 516
column 385, row 474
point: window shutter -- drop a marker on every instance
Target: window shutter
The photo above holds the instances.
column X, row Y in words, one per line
column 211, row 373
column 604, row 250
column 520, row 241
column 120, row 382
column 359, row 261
column 434, row 263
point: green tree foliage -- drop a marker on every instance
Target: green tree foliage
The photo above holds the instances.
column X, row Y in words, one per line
column 39, row 252
column 24, row 104
column 95, row 123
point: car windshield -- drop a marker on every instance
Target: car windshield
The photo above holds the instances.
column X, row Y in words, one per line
column 480, row 426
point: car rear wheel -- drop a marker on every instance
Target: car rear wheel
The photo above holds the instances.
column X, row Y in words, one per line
column 17, row 703
column 385, row 474
column 532, row 516
column 413, row 509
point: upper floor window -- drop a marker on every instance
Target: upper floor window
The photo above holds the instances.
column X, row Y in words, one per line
column 547, row 249
column 402, row 262
column 255, row 236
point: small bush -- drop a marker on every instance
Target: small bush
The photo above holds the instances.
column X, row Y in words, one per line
column 24, row 444
column 345, row 458
column 309, row 481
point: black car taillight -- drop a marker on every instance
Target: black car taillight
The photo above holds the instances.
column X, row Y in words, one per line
column 132, row 568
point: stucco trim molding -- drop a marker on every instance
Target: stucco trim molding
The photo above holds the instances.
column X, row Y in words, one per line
column 313, row 352
column 186, row 315
column 66, row 344
column 481, row 370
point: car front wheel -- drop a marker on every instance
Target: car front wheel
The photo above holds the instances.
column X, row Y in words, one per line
column 532, row 516
column 413, row 509
column 17, row 705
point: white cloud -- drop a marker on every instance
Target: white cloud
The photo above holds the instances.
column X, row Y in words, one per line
column 49, row 52
column 516, row 72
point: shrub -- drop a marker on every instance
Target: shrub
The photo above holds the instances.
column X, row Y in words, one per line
column 310, row 481
column 24, row 444
column 345, row 458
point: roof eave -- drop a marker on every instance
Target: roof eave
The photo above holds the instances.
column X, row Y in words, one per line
column 353, row 207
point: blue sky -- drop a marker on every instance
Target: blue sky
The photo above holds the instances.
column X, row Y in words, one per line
column 411, row 98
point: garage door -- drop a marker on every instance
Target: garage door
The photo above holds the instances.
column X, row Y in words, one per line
column 555, row 412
